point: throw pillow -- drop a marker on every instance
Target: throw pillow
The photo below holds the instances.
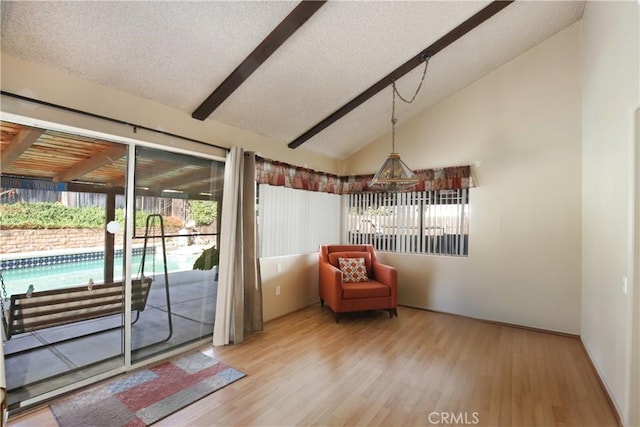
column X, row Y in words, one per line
column 353, row 270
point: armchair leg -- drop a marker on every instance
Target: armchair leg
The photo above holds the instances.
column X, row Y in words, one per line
column 321, row 302
column 392, row 312
column 337, row 317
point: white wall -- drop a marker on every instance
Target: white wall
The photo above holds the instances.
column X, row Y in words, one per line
column 521, row 126
column 610, row 99
column 297, row 278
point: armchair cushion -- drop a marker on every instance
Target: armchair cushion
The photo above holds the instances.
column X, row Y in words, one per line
column 371, row 289
column 335, row 256
column 353, row 270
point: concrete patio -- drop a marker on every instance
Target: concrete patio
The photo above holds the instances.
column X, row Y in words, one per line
column 44, row 361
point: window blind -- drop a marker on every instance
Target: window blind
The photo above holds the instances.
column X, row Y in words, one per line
column 294, row 221
column 429, row 222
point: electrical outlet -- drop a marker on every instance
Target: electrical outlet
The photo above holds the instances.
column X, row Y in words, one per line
column 625, row 285
column 278, row 268
column 277, row 290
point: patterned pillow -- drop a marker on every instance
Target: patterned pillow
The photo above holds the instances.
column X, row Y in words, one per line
column 353, row 270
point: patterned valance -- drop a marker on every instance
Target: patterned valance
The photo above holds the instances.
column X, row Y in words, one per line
column 451, row 178
column 282, row 174
column 285, row 175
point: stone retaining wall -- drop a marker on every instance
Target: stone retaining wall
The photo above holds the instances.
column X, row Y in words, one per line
column 19, row 241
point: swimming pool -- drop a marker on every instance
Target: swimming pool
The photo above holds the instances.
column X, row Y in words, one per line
column 79, row 273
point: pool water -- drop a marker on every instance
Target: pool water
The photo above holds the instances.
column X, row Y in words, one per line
column 49, row 277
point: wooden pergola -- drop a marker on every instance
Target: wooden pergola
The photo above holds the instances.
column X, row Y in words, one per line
column 35, row 158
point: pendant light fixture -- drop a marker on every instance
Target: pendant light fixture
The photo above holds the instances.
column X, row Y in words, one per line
column 394, row 174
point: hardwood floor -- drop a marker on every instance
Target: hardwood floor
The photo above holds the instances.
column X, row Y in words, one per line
column 419, row 369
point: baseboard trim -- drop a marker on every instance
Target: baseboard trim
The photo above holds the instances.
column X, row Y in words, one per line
column 603, row 385
column 531, row 328
column 496, row 322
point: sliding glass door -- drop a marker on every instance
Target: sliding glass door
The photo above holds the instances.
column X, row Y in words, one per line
column 62, row 210
column 177, row 200
column 65, row 248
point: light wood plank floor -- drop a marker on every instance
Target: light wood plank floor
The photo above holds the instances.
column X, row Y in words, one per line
column 419, row 369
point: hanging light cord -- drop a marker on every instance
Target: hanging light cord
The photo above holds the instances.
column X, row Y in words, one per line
column 394, row 120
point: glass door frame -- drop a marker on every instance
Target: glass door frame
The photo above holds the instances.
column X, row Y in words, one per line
column 126, row 337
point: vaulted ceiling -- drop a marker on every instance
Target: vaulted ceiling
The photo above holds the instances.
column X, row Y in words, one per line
column 177, row 53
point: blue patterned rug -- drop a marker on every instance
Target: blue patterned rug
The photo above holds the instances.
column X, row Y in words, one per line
column 144, row 397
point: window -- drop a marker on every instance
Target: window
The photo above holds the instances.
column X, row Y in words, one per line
column 425, row 222
column 292, row 221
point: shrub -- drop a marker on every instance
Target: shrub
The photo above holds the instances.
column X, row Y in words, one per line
column 203, row 212
column 49, row 215
column 56, row 215
column 208, row 259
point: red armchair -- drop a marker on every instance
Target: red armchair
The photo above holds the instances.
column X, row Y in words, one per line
column 379, row 292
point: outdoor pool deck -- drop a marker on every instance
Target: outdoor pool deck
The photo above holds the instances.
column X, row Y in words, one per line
column 58, row 268
column 50, row 364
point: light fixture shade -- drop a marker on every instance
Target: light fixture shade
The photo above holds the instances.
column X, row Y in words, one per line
column 394, row 174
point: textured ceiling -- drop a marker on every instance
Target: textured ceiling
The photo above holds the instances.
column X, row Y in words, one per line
column 177, row 53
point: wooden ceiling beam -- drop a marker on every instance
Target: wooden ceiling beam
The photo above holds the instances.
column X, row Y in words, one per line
column 106, row 157
column 19, row 144
column 412, row 63
column 260, row 54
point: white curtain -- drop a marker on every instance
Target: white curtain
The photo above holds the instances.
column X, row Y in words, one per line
column 239, row 303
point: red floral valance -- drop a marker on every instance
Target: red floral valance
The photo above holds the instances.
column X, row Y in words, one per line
column 286, row 175
column 283, row 174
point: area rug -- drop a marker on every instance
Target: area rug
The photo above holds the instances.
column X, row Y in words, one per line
column 144, row 397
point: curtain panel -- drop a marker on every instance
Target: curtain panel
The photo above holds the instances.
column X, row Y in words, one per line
column 285, row 175
column 239, row 297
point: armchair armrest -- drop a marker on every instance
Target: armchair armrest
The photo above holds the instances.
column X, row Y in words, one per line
column 386, row 274
column 330, row 282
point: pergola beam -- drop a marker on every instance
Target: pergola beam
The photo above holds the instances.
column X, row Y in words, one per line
column 108, row 156
column 19, row 144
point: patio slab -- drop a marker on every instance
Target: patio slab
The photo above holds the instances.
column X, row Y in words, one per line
column 50, row 364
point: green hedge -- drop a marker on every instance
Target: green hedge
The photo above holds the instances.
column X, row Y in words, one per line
column 56, row 215
column 203, row 212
